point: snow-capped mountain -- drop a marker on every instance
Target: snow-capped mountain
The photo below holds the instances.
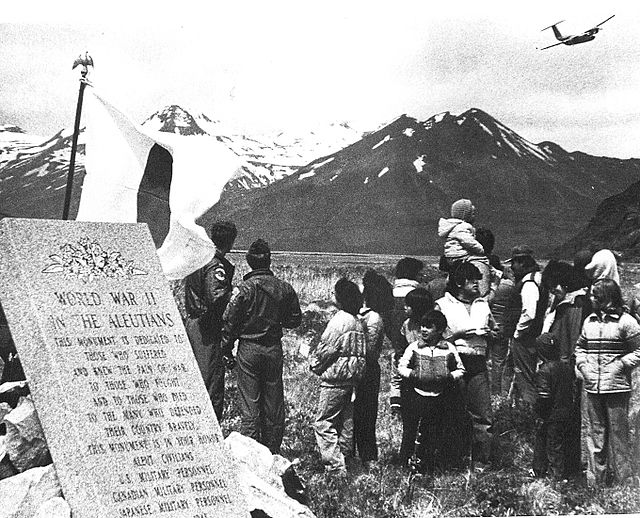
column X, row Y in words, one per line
column 33, row 169
column 268, row 157
column 381, row 193
column 33, row 173
column 386, row 192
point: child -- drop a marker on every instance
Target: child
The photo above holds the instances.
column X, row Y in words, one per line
column 459, row 233
column 433, row 365
column 339, row 359
column 377, row 295
column 554, row 409
column 607, row 351
column 417, row 304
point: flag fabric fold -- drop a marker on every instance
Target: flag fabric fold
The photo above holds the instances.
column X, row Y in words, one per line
column 117, row 151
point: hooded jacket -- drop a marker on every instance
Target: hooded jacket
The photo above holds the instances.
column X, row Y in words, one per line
column 603, row 265
column 460, row 238
column 340, row 356
column 607, row 350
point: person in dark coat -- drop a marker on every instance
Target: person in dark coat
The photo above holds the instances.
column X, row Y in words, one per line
column 554, row 409
column 207, row 292
column 258, row 310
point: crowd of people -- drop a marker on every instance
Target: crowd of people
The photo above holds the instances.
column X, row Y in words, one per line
column 560, row 340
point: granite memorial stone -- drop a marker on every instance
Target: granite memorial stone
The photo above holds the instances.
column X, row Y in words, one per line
column 126, row 416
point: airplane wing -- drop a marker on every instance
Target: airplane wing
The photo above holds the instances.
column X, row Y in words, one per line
column 605, row 20
column 554, row 45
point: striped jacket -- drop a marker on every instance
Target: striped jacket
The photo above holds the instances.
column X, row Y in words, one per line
column 606, row 352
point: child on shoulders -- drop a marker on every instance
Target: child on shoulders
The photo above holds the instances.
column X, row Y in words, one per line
column 459, row 233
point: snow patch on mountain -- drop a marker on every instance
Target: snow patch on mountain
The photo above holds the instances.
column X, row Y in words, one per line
column 385, row 139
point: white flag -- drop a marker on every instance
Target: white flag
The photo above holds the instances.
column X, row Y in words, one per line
column 117, row 152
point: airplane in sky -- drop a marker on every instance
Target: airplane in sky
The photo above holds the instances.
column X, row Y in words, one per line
column 577, row 38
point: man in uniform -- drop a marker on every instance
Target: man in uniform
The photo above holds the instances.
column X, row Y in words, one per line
column 207, row 292
column 258, row 310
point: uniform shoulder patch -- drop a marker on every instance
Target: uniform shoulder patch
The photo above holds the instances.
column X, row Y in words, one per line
column 219, row 273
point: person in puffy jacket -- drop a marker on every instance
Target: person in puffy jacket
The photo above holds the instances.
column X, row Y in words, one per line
column 607, row 351
column 459, row 233
column 340, row 360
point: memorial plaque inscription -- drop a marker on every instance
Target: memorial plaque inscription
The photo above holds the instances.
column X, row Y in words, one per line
column 127, row 418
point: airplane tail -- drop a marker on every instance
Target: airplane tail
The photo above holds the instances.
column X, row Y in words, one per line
column 556, row 32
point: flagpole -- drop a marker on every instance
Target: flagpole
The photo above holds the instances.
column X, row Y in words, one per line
column 85, row 61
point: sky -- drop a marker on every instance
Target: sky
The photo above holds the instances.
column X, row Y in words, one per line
column 292, row 66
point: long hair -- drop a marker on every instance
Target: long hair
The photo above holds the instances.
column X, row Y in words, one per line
column 420, row 301
column 609, row 295
column 377, row 292
column 348, row 296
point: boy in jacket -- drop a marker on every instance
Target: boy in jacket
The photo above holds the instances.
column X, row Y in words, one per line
column 433, row 365
column 340, row 361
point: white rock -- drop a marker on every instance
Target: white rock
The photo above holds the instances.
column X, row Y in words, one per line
column 23, row 494
column 57, row 507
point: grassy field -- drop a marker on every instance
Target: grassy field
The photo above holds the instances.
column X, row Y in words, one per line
column 504, row 489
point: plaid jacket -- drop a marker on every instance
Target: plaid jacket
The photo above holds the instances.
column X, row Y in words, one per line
column 606, row 352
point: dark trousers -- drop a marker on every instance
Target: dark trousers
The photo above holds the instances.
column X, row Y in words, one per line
column 365, row 413
column 552, row 450
column 525, row 361
column 210, row 360
column 478, row 402
column 608, row 442
column 261, row 393
column 500, row 378
column 410, row 420
column 440, row 429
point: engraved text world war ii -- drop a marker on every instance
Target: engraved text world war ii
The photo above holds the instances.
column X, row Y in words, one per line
column 128, row 421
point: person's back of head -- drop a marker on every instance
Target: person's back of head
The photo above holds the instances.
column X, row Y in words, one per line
column 603, row 265
column 348, row 296
column 259, row 255
column 420, row 301
column 408, row 268
column 223, row 234
column 559, row 273
column 377, row 292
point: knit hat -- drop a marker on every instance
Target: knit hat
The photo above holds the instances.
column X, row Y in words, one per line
column 463, row 209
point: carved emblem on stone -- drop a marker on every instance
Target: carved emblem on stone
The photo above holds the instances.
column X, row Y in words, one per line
column 87, row 260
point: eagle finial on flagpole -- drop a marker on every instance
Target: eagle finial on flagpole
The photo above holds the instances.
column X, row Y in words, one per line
column 85, row 61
